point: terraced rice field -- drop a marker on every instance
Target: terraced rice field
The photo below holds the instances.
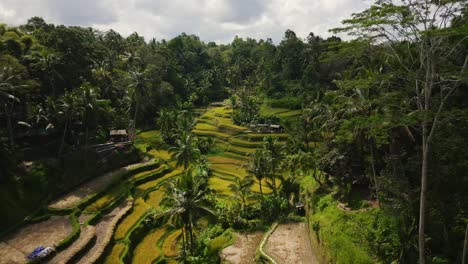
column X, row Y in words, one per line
column 112, row 207
column 148, row 251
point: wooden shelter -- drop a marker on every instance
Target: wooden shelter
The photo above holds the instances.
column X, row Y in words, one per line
column 120, row 135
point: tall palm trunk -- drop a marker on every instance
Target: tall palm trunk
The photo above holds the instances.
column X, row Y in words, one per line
column 260, row 183
column 86, row 148
column 135, row 115
column 373, row 171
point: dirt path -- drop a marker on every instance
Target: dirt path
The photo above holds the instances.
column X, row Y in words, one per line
column 86, row 235
column 104, row 231
column 17, row 245
column 73, row 198
column 243, row 249
column 290, row 244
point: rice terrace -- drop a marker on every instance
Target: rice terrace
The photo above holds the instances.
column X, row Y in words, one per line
column 205, row 132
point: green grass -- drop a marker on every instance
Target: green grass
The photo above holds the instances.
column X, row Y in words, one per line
column 231, row 169
column 207, row 133
column 233, row 155
column 245, row 143
column 110, row 196
column 342, row 234
column 205, row 126
column 147, row 251
column 138, row 212
column 155, row 197
column 117, row 251
column 171, row 245
column 260, row 136
column 266, row 110
column 224, row 160
column 289, row 114
column 221, row 186
column 141, row 189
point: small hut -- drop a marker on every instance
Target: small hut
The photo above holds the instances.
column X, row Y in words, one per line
column 276, row 129
column 120, row 135
column 300, row 208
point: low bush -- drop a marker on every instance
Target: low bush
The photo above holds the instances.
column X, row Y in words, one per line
column 286, row 102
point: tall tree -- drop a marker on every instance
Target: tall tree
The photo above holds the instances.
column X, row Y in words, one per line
column 416, row 34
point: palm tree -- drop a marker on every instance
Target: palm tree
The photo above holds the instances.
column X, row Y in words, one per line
column 185, row 122
column 241, row 189
column 273, row 155
column 68, row 109
column 258, row 167
column 187, row 200
column 138, row 85
column 185, row 150
column 9, row 80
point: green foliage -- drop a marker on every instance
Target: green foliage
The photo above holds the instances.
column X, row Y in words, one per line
column 286, row 102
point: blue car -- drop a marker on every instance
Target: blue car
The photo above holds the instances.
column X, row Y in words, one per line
column 40, row 253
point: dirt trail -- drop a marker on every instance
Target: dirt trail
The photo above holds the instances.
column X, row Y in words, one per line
column 243, row 249
column 73, row 198
column 86, row 235
column 290, row 244
column 104, row 232
column 48, row 233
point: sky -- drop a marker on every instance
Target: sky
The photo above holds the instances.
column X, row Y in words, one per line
column 211, row 20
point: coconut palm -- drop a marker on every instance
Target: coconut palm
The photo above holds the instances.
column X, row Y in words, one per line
column 258, row 167
column 9, row 84
column 273, row 156
column 187, row 200
column 138, row 90
column 185, row 150
column 68, row 109
column 241, row 189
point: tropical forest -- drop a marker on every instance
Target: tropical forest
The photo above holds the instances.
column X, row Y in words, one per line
column 350, row 148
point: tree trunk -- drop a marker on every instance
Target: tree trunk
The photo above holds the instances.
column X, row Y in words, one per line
column 465, row 245
column 422, row 202
column 260, row 183
column 135, row 115
column 86, row 148
column 184, row 246
column 373, row 171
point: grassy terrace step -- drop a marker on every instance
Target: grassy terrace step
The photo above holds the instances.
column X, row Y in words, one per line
column 224, row 176
column 269, row 111
column 132, row 220
column 147, row 251
column 217, row 134
column 225, row 160
column 289, row 114
column 239, row 150
column 245, row 143
column 230, row 169
column 111, row 195
column 150, row 175
column 116, row 254
column 260, row 136
column 143, row 189
column 171, row 245
column 221, row 186
column 154, row 198
column 205, row 127
column 239, row 157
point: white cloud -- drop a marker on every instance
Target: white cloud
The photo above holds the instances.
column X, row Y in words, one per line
column 212, row 20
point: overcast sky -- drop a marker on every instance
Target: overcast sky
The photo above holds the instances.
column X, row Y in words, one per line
column 211, row 20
